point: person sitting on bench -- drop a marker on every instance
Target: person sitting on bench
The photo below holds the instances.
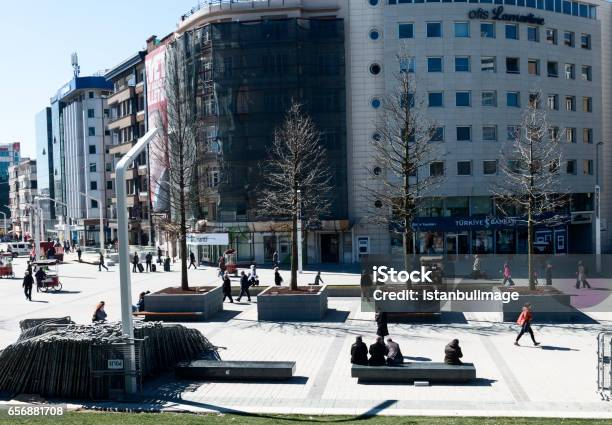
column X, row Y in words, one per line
column 378, row 351
column 359, row 352
column 452, row 353
column 394, row 354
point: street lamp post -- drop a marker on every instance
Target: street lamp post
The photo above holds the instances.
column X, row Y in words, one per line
column 299, row 230
column 597, row 211
column 124, row 253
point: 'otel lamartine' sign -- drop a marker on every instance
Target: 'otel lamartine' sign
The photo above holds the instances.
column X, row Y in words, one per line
column 497, row 14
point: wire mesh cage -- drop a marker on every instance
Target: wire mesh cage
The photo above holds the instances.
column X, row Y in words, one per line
column 604, row 366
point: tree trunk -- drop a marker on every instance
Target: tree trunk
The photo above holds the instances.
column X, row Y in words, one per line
column 294, row 252
column 530, row 248
column 183, row 246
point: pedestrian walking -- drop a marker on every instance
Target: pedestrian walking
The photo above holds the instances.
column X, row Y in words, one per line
column 159, row 255
column 149, row 261
column 381, row 324
column 192, row 260
column 101, row 262
column 253, row 279
column 135, row 263
column 318, row 281
column 227, row 288
column 278, row 279
column 79, row 253
column 40, row 276
column 99, row 314
column 476, row 267
column 524, row 321
column 548, row 274
column 27, row 284
column 275, row 259
column 507, row 275
column 244, row 286
column 581, row 276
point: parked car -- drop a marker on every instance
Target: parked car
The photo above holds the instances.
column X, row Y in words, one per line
column 17, row 248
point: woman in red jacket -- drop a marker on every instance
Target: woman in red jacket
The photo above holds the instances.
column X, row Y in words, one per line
column 524, row 320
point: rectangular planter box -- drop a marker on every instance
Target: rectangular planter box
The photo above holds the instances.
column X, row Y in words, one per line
column 292, row 307
column 208, row 303
column 546, row 308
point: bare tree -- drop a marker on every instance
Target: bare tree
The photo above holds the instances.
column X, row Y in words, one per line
column 297, row 179
column 176, row 149
column 529, row 180
column 404, row 147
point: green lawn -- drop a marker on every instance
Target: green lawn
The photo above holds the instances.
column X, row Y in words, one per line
column 94, row 418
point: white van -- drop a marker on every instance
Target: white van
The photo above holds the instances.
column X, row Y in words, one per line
column 17, row 248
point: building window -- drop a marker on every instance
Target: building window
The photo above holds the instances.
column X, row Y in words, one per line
column 585, row 41
column 90, row 113
column 92, row 167
column 373, row 2
column 91, row 95
column 568, row 38
column 552, row 69
column 553, row 133
column 587, row 104
column 375, row 102
column 375, row 69
column 462, row 64
column 513, row 66
column 489, row 167
column 91, row 131
column 586, row 72
column 464, row 133
column 487, row 64
column 487, row 30
column 406, row 30
column 462, row 29
column 374, row 34
column 534, row 100
column 94, row 204
column 533, row 66
column 489, row 133
column 533, row 34
column 587, row 167
column 434, row 64
column 109, row 185
column 570, row 167
column 551, row 35
column 570, row 133
column 570, row 103
column 407, row 64
column 92, row 149
column 489, row 98
column 93, row 185
column 436, row 169
column 512, row 132
column 587, row 136
column 463, row 98
column 464, row 168
column 434, row 29
column 513, row 99
column 435, row 99
column 552, row 102
column 570, row 71
column 512, row 32
column 437, row 135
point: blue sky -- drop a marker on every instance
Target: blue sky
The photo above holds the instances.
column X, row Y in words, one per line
column 39, row 36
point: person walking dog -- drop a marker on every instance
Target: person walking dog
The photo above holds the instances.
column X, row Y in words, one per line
column 524, row 321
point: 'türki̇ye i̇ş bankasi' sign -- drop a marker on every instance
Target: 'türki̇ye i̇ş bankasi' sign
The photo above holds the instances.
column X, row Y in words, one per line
column 498, row 14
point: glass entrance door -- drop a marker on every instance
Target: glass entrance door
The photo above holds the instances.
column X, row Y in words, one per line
column 457, row 243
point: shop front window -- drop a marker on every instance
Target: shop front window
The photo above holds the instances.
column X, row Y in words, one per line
column 430, row 242
column 431, row 208
column 481, row 205
column 456, row 206
column 505, row 242
column 269, row 247
column 482, row 242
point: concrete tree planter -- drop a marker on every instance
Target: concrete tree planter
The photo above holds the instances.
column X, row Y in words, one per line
column 207, row 301
column 281, row 304
column 548, row 304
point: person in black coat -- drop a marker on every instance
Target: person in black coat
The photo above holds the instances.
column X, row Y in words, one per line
column 149, row 261
column 278, row 279
column 359, row 352
column 135, row 261
column 452, row 353
column 28, row 282
column 227, row 288
column 381, row 323
column 101, row 262
column 40, row 276
column 159, row 255
column 192, row 261
column 378, row 351
column 244, row 286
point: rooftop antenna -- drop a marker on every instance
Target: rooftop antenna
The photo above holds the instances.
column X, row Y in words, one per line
column 75, row 64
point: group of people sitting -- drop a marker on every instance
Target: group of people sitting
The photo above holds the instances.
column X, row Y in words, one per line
column 389, row 354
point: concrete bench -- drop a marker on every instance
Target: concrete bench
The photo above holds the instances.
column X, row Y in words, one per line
column 420, row 371
column 170, row 315
column 235, row 370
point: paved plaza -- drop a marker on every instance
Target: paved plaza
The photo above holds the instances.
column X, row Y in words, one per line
column 558, row 379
